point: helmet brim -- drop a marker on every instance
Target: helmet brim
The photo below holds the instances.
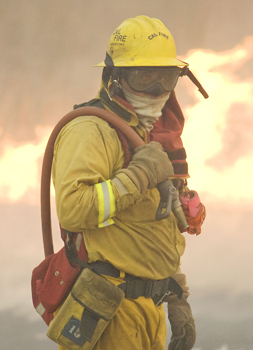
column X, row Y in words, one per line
column 174, row 62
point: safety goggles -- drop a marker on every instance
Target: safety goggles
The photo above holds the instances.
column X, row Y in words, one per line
column 153, row 81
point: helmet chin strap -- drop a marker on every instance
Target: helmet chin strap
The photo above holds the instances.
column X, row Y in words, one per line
column 116, row 86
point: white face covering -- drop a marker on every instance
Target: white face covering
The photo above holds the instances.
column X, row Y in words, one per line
column 148, row 109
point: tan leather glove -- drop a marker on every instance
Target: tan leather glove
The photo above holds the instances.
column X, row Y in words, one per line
column 182, row 324
column 150, row 165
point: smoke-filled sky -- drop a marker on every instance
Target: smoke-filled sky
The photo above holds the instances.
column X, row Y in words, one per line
column 48, row 49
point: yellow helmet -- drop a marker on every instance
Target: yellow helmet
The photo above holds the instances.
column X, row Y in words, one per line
column 141, row 42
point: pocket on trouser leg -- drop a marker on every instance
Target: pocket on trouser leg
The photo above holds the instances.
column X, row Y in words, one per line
column 86, row 312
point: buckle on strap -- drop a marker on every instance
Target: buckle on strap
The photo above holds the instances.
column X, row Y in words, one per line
column 139, row 288
column 132, row 289
column 136, row 288
column 160, row 301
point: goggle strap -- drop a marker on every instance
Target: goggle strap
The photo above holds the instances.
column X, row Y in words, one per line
column 191, row 76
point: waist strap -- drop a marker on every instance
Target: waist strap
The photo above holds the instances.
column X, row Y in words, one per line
column 135, row 287
column 150, row 288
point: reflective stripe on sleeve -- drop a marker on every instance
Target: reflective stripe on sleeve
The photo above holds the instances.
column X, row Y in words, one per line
column 106, row 203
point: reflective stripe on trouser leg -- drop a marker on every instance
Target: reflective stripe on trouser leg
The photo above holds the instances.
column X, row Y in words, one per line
column 106, row 203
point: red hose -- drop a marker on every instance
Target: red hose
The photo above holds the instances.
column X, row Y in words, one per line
column 48, row 158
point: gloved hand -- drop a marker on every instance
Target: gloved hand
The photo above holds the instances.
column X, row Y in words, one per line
column 194, row 211
column 182, row 324
column 150, row 165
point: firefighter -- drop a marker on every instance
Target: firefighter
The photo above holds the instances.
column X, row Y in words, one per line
column 107, row 190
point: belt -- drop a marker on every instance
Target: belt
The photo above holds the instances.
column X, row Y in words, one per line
column 135, row 287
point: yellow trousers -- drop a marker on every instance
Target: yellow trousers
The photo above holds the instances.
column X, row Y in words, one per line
column 137, row 325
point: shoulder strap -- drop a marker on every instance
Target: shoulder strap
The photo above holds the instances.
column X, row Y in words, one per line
column 95, row 102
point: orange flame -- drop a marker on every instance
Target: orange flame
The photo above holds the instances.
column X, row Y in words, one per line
column 19, row 168
column 218, row 130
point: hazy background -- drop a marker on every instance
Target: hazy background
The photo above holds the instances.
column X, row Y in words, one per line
column 48, row 49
